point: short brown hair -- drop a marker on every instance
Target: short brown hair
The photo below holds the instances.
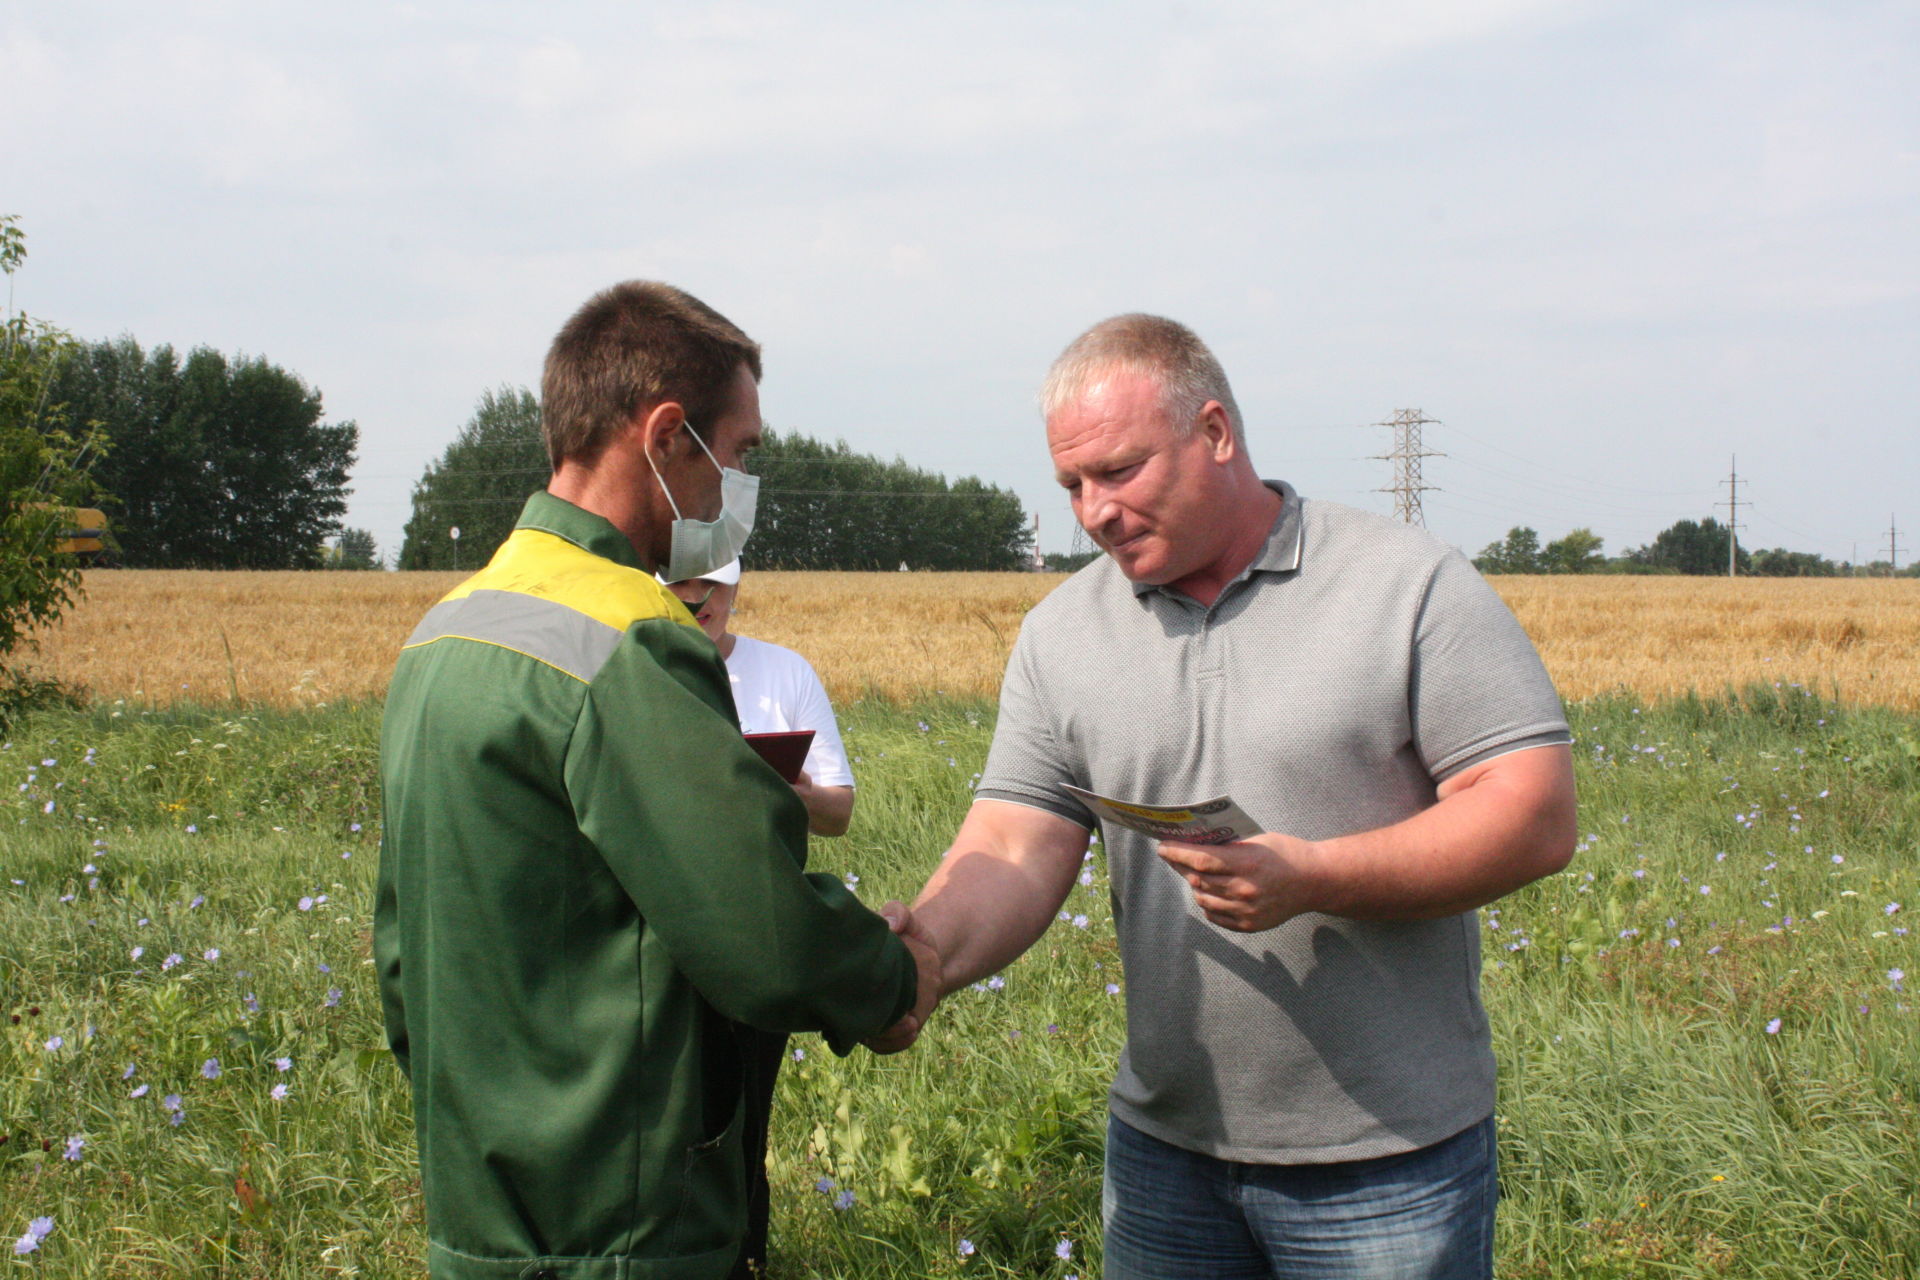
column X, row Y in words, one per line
column 633, row 346
column 1152, row 345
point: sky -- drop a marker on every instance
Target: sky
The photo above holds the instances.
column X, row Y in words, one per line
column 1613, row 250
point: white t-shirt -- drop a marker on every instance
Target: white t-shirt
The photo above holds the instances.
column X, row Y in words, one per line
column 775, row 690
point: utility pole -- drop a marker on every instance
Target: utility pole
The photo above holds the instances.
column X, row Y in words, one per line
column 1407, row 452
column 1893, row 548
column 1733, row 509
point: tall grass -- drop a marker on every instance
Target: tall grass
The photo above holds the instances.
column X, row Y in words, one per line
column 1692, row 1083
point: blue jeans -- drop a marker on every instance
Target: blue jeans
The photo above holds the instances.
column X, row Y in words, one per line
column 1171, row 1213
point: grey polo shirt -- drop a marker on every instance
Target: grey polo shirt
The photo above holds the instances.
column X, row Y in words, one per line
column 1353, row 666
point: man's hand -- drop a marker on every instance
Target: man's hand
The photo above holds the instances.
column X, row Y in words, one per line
column 926, row 960
column 1247, row 886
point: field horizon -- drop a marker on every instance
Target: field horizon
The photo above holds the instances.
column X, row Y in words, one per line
column 287, row 639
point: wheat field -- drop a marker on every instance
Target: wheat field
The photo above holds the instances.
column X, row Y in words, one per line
column 288, row 639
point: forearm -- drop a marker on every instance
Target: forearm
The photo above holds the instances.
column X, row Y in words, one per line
column 829, row 810
column 997, row 889
column 1477, row 844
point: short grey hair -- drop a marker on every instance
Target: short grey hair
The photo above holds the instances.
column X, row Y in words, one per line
column 1153, row 346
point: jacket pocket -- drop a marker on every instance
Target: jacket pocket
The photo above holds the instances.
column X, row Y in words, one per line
column 713, row 1192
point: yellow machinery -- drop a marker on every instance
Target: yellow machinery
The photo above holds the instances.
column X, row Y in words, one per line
column 85, row 528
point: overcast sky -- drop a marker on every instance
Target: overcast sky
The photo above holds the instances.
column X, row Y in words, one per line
column 1606, row 246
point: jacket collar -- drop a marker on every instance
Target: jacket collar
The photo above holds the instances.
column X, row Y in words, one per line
column 589, row 532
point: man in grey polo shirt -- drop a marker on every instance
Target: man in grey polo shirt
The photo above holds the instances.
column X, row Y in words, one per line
column 1307, row 1085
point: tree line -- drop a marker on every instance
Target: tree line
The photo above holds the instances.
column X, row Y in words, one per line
column 1685, row 547
column 821, row 506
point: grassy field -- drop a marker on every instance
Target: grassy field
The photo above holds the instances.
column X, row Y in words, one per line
column 1709, row 1063
column 300, row 639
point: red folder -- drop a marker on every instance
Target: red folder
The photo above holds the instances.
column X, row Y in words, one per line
column 786, row 752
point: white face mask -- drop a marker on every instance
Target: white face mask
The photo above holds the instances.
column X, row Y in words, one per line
column 701, row 546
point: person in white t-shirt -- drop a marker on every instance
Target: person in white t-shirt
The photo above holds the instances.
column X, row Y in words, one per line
column 775, row 690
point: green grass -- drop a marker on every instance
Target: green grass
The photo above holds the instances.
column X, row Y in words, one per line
column 1650, row 1123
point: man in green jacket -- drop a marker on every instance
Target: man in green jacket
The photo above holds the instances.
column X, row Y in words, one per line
column 591, row 892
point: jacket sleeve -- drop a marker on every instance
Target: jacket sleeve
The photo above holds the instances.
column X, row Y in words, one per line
column 710, row 843
column 386, row 964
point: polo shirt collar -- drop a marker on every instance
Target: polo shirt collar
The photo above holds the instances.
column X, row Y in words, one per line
column 1280, row 553
column 589, row 532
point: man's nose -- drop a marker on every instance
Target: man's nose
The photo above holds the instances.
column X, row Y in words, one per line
column 1097, row 506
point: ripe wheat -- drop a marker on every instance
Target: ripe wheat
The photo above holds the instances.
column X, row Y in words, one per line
column 299, row 638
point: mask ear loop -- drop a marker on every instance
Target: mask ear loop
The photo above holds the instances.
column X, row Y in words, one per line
column 662, row 481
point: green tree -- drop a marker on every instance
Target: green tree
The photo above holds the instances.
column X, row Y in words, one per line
column 1687, row 546
column 1778, row 562
column 1578, row 552
column 1520, row 553
column 354, row 549
column 220, row 463
column 478, row 485
column 45, row 469
column 823, row 506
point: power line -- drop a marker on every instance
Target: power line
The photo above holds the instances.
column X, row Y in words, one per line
column 1893, row 545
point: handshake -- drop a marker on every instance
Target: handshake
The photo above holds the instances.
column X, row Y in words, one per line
column 926, row 959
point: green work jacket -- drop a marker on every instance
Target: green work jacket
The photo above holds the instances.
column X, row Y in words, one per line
column 590, row 887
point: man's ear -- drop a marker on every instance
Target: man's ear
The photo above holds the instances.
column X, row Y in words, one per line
column 661, row 431
column 1217, row 427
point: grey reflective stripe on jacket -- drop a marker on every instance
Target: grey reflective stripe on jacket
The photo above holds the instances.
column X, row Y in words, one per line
column 555, row 634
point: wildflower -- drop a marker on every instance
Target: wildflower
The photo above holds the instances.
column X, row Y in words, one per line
column 1713, row 951
column 1838, row 859
column 139, row 1091
column 1706, row 889
column 1086, row 878
column 852, row 879
column 192, row 830
column 1773, row 1028
column 1080, row 922
column 996, row 982
column 210, row 1068
column 1893, row 908
column 1113, row 988
column 129, row 1072
column 1895, row 977
column 966, row 1248
column 37, row 1230
column 333, row 998
column 278, row 1093
column 353, row 826
column 171, row 960
column 824, row 1186
column 73, row 1148
column 1063, row 1250
column 251, row 1001
column 53, row 1045
column 171, row 1103
column 799, row 1055
column 212, row 953
column 305, row 904
column 843, row 1201
column 283, row 1064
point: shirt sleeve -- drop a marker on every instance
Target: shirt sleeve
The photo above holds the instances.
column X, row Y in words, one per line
column 827, row 757
column 1028, row 762
column 1478, row 688
column 709, row 843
